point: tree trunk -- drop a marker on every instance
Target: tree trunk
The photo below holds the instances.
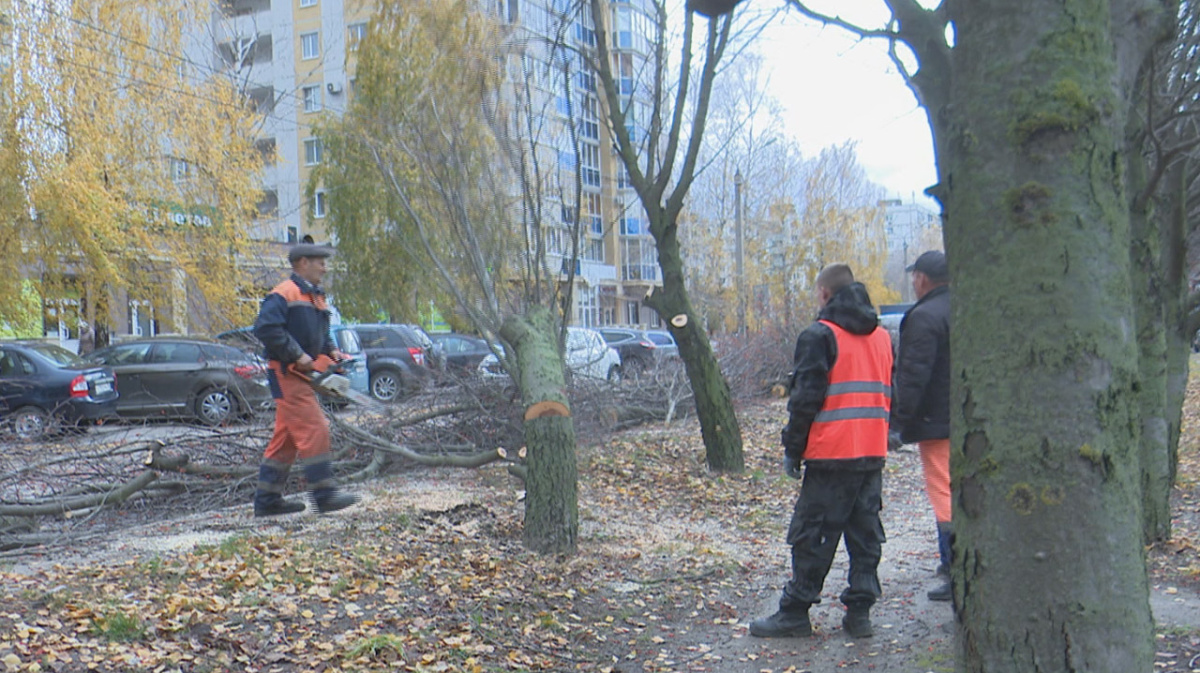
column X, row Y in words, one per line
column 1149, row 306
column 1049, row 567
column 714, row 403
column 551, row 482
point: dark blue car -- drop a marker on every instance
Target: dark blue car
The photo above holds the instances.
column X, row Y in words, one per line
column 44, row 387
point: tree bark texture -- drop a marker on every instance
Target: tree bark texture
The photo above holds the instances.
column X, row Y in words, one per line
column 1049, row 569
column 1150, row 295
column 714, row 403
column 551, row 482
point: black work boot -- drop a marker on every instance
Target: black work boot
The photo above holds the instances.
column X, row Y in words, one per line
column 268, row 497
column 331, row 500
column 325, row 494
column 783, row 624
column 942, row 593
column 857, row 622
column 275, row 506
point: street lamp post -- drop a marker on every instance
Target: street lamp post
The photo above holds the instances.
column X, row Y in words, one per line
column 741, row 270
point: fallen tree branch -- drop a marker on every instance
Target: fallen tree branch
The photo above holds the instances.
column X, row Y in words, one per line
column 381, row 444
column 63, row 506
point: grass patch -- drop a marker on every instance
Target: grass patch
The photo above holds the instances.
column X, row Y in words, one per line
column 118, row 626
column 376, row 647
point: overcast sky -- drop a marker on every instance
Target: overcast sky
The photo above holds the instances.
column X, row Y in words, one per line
column 837, row 88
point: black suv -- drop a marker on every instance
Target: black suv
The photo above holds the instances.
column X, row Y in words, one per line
column 398, row 359
column 44, row 385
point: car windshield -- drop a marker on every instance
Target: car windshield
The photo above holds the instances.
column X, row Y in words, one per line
column 56, row 354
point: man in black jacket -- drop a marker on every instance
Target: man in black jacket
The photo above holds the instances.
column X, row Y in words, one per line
column 921, row 400
column 837, row 425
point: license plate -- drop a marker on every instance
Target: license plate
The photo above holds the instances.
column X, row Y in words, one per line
column 103, row 388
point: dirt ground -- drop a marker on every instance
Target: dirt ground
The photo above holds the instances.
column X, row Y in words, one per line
column 672, row 566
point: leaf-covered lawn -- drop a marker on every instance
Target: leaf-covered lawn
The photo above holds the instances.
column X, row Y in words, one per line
column 400, row 584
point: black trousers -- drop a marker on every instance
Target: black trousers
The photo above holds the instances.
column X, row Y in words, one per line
column 835, row 504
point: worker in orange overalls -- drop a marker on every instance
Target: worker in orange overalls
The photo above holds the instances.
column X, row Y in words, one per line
column 921, row 409
column 293, row 325
column 838, row 425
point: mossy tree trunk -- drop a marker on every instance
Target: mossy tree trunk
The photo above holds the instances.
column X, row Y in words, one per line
column 714, row 403
column 1150, row 298
column 551, row 480
column 1046, row 409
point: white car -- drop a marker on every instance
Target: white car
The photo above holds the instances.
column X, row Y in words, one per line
column 587, row 355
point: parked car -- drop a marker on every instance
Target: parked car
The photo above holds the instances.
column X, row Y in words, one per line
column 462, row 353
column 44, row 387
column 890, row 316
column 587, row 355
column 396, row 359
column 435, row 357
column 639, row 349
column 346, row 339
column 667, row 348
column 205, row 380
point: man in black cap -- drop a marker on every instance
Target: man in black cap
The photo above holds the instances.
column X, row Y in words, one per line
column 293, row 325
column 921, row 394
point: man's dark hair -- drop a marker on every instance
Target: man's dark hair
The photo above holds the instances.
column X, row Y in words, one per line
column 835, row 277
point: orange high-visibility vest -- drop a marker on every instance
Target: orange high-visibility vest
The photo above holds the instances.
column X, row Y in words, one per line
column 853, row 422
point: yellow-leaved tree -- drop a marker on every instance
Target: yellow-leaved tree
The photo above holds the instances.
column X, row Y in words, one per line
column 133, row 166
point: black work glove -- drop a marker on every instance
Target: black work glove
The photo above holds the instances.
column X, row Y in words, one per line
column 791, row 466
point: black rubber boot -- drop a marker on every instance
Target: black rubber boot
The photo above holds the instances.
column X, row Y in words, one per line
column 325, row 494
column 783, row 624
column 331, row 500
column 857, row 622
column 942, row 593
column 277, row 506
column 268, row 497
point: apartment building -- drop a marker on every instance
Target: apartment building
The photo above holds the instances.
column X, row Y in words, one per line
column 297, row 60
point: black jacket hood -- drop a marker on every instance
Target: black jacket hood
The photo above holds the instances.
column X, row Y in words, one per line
column 851, row 309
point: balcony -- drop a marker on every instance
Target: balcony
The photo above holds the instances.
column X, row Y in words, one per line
column 639, row 272
column 240, row 52
column 232, row 8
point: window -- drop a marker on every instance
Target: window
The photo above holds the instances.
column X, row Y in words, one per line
column 568, row 214
column 586, row 81
column 631, row 225
column 595, row 223
column 175, row 352
column 319, row 204
column 312, row 98
column 312, row 151
column 633, row 313
column 179, row 170
column 566, row 159
column 310, row 45
column 292, row 234
column 589, row 157
column 355, row 33
column 308, row 3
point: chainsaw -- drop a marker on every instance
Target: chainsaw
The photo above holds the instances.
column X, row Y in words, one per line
column 328, row 378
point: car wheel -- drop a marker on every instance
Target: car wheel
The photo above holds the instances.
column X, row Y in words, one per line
column 214, row 406
column 614, row 374
column 30, row 423
column 385, row 385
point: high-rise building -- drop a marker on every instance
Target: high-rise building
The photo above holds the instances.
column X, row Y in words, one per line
column 297, row 60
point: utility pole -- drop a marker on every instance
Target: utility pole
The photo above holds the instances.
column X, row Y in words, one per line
column 741, row 270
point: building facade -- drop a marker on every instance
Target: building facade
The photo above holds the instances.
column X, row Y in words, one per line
column 297, row 61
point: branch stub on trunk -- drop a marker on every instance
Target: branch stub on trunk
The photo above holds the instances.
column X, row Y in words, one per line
column 680, row 320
